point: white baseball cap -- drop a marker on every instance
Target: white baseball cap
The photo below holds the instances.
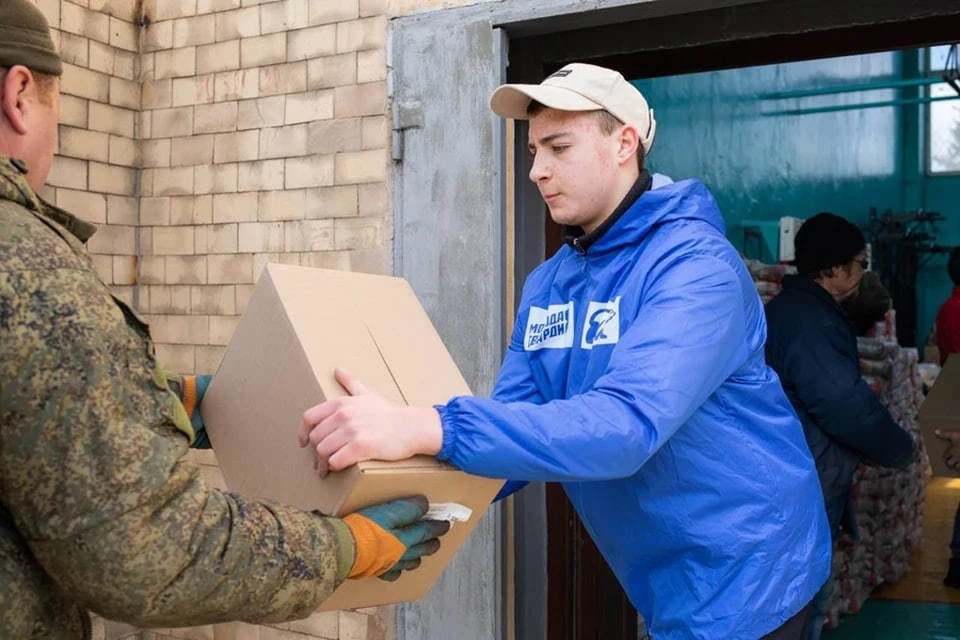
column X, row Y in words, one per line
column 580, row 87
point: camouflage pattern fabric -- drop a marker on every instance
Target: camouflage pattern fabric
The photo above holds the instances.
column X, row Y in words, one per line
column 98, row 508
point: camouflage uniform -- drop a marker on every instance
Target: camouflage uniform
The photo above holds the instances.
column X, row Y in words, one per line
column 98, row 508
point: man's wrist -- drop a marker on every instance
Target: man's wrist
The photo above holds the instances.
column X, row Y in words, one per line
column 429, row 430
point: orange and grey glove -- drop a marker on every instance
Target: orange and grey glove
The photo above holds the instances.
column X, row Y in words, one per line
column 190, row 390
column 392, row 537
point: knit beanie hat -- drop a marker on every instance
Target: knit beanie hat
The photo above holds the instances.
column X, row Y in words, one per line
column 25, row 38
column 826, row 241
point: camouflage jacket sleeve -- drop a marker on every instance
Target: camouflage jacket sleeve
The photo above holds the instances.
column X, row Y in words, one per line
column 92, row 467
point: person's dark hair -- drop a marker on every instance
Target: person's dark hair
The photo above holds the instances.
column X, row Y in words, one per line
column 824, row 242
column 607, row 121
column 953, row 265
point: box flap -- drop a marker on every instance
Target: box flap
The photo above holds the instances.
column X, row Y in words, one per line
column 325, row 309
column 420, row 363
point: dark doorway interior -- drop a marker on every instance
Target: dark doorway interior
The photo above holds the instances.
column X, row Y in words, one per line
column 584, row 600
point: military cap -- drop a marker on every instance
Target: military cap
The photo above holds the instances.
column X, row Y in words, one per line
column 25, row 38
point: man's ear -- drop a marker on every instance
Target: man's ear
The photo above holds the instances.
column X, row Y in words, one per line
column 16, row 86
column 629, row 144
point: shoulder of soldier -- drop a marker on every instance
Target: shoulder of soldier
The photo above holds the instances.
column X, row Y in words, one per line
column 29, row 243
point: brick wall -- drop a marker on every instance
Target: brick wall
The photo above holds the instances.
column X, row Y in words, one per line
column 94, row 174
column 263, row 139
column 206, row 138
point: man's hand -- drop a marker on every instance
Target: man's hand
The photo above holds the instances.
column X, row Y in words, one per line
column 951, row 456
column 365, row 426
column 190, row 390
column 392, row 537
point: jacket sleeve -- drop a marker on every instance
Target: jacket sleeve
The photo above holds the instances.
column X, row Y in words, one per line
column 92, row 470
column 515, row 383
column 828, row 385
column 687, row 338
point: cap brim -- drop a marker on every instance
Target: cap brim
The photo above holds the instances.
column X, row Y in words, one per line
column 512, row 100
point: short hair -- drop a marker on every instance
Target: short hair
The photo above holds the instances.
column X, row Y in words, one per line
column 953, row 265
column 607, row 122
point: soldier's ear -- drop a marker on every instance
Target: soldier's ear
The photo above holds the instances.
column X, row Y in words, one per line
column 16, row 101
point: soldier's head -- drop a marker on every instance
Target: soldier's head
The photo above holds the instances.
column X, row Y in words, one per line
column 29, row 89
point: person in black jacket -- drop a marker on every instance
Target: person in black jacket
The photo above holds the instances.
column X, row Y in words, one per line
column 812, row 346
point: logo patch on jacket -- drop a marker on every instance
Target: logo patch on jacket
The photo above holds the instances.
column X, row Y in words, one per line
column 602, row 325
column 550, row 328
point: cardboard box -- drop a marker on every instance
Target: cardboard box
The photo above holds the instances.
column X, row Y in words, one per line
column 941, row 410
column 299, row 325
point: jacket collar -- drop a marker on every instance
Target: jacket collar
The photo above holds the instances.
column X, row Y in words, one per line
column 581, row 242
column 811, row 287
column 14, row 187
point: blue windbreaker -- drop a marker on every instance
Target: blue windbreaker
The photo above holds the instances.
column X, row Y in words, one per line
column 635, row 376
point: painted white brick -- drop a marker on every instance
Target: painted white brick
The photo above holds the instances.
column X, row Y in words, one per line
column 309, row 235
column 236, row 85
column 235, row 207
column 191, row 210
column 283, row 78
column 222, row 56
column 260, row 113
column 195, row 90
column 332, row 136
column 310, row 171
column 284, row 16
column 216, row 178
column 176, row 63
column 312, row 43
column 373, row 199
column 192, row 151
column 215, row 118
column 265, row 175
column 340, row 201
column 310, row 106
column 327, row 11
column 259, row 237
column 195, row 31
column 282, row 205
column 263, row 50
column 234, row 147
column 358, row 35
column 283, row 142
column 332, row 71
column 240, row 23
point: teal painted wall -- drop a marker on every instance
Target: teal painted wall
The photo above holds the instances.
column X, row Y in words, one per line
column 763, row 162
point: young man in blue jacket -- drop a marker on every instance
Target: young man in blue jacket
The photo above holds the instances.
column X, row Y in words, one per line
column 635, row 376
column 813, row 348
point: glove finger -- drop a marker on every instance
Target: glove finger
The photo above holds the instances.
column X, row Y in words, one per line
column 390, row 576
column 418, row 551
column 421, row 532
column 406, row 565
column 397, row 513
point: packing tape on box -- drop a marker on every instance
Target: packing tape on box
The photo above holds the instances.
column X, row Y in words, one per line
column 449, row 511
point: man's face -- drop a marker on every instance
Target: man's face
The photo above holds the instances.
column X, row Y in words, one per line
column 847, row 278
column 44, row 143
column 575, row 166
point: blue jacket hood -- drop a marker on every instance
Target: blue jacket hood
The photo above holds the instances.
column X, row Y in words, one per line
column 665, row 202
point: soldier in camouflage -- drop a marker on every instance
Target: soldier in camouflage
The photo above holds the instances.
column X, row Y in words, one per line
column 99, row 510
